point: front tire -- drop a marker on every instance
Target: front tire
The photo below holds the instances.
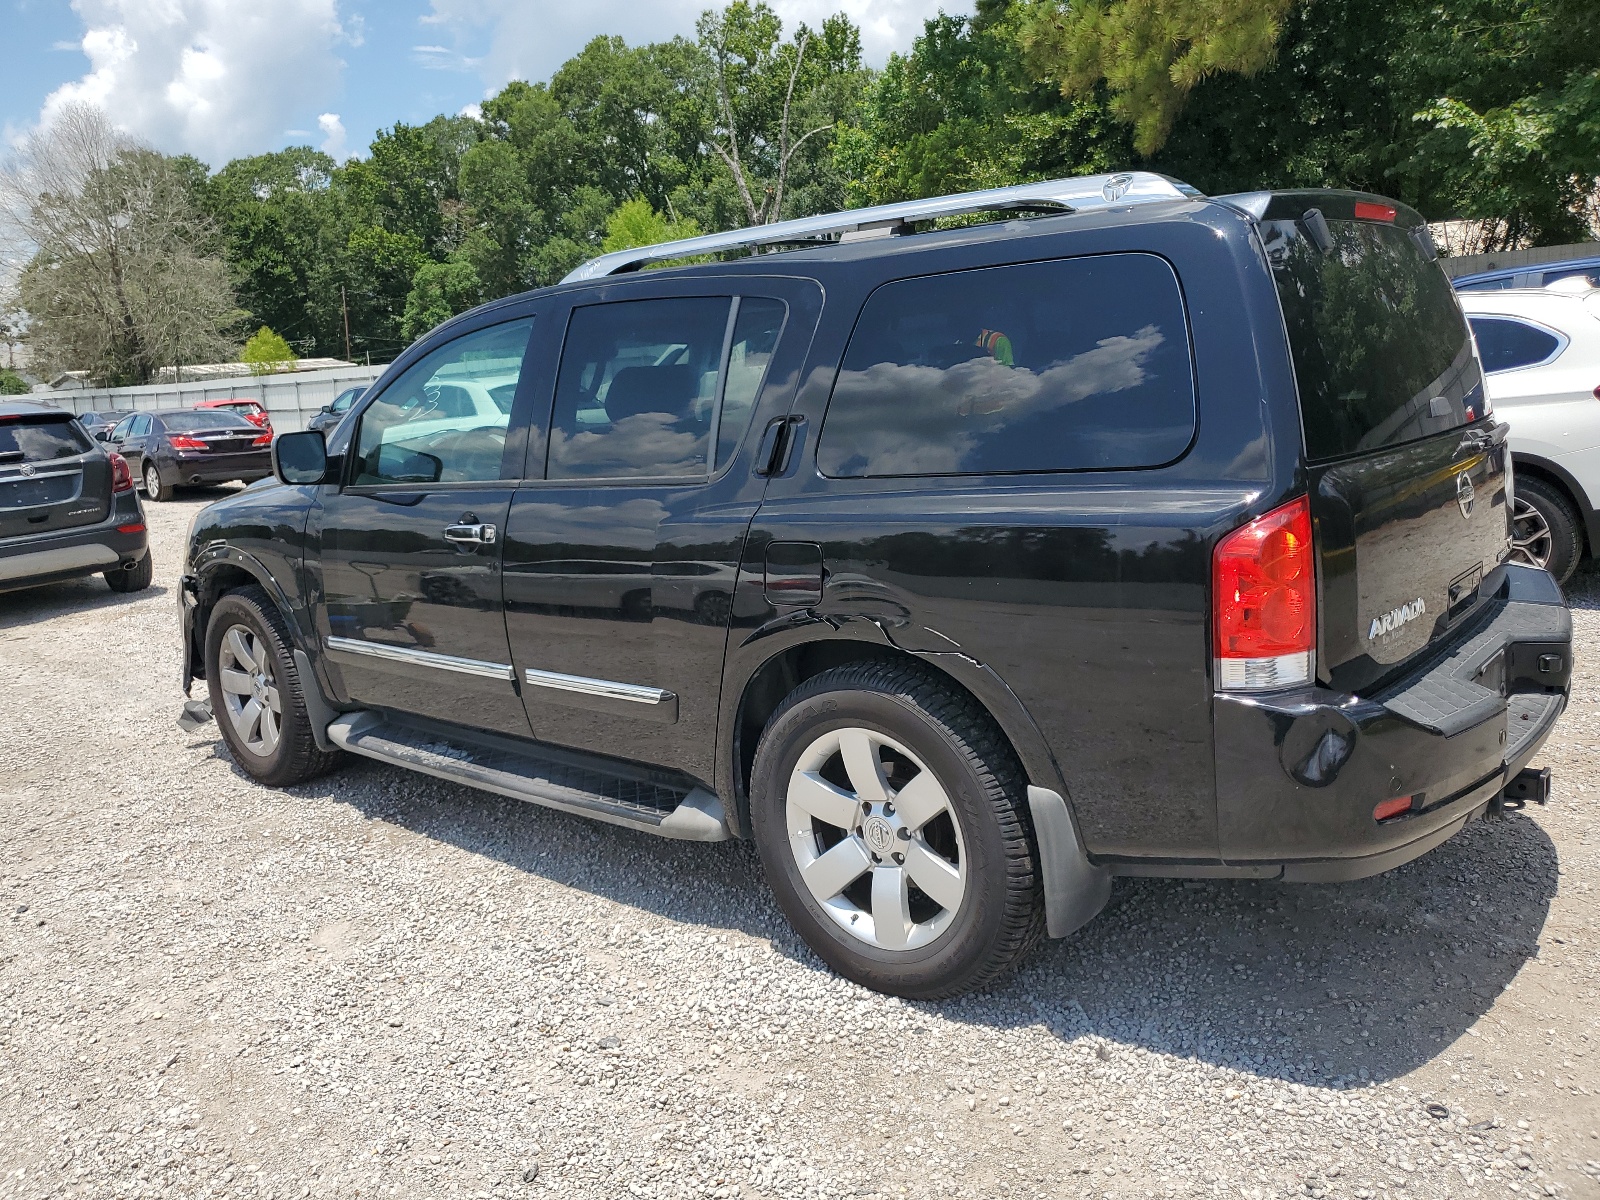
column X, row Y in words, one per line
column 135, row 578
column 154, row 486
column 256, row 691
column 891, row 819
column 1546, row 530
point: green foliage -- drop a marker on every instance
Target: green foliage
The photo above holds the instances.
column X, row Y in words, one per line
column 635, row 223
column 1150, row 53
column 439, row 291
column 12, row 384
column 266, row 353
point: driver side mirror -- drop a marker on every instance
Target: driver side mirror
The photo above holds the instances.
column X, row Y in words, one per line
column 300, row 458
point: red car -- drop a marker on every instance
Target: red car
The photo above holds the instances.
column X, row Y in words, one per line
column 250, row 410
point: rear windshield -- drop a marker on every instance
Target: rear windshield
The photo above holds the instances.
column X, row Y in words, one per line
column 38, row 439
column 211, row 418
column 1381, row 351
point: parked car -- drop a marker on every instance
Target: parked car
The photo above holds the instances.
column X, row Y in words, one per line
column 250, row 410
column 67, row 507
column 333, row 412
column 1541, row 355
column 1163, row 536
column 167, row 450
column 99, row 425
column 1535, row 276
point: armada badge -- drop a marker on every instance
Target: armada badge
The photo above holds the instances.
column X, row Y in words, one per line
column 1394, row 618
column 1465, row 493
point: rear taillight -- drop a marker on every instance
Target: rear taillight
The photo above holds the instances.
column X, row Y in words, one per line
column 264, row 440
column 182, row 441
column 1264, row 602
column 121, row 477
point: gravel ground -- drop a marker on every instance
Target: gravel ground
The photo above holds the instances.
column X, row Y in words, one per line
column 384, row 985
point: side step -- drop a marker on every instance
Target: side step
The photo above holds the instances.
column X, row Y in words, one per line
column 607, row 790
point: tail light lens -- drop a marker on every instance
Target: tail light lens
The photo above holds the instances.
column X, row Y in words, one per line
column 121, row 477
column 182, row 441
column 1264, row 602
column 264, row 439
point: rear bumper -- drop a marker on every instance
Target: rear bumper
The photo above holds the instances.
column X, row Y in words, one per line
column 72, row 553
column 220, row 468
column 1299, row 773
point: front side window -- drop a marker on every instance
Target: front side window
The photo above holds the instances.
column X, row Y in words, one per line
column 123, row 431
column 637, row 389
column 1072, row 364
column 1505, row 343
column 445, row 419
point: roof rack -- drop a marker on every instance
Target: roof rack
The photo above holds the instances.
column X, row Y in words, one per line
column 885, row 220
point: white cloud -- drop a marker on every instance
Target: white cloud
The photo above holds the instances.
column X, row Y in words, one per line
column 213, row 78
column 529, row 39
column 333, row 137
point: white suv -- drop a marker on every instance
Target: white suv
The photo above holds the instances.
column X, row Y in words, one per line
column 1541, row 352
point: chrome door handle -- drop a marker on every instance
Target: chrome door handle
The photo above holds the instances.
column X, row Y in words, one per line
column 471, row 535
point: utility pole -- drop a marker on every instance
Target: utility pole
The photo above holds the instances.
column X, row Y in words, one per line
column 345, row 305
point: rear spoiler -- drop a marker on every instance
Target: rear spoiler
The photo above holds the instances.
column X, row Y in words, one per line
column 1313, row 207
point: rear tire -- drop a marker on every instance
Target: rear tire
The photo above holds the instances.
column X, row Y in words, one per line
column 135, row 578
column 154, row 486
column 908, row 866
column 248, row 639
column 1547, row 530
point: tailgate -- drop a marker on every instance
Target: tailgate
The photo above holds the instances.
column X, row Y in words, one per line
column 51, row 476
column 1407, row 472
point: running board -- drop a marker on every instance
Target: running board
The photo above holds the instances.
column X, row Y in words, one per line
column 623, row 794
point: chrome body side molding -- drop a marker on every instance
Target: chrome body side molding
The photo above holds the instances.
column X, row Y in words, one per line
column 1063, row 195
column 585, row 686
column 424, row 658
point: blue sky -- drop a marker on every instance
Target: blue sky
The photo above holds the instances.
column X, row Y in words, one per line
column 221, row 78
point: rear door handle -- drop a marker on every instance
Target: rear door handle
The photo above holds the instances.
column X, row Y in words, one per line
column 476, row 534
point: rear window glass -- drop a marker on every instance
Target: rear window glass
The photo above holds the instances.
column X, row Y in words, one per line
column 1073, row 364
column 38, row 439
column 1504, row 343
column 211, row 418
column 1381, row 350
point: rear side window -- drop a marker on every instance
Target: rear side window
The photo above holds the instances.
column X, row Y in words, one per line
column 1074, row 364
column 206, row 418
column 39, row 439
column 1505, row 343
column 1381, row 351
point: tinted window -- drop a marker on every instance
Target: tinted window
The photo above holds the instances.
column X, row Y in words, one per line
column 1590, row 274
column 38, row 439
column 208, row 418
column 1504, row 343
column 1075, row 364
column 140, row 426
column 637, row 389
column 755, row 336
column 1487, row 285
column 343, row 401
column 1376, row 335
column 441, row 421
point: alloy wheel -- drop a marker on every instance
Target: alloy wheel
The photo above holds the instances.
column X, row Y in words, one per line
column 876, row 839
column 250, row 690
column 152, row 480
column 1531, row 542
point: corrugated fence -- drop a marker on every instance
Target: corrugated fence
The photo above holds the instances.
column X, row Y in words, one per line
column 290, row 399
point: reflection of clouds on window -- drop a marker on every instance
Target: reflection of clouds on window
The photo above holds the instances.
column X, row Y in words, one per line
column 959, row 406
column 644, row 444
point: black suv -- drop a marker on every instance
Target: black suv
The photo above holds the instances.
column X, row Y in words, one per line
column 961, row 569
column 67, row 507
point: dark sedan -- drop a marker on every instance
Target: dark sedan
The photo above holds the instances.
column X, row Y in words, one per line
column 167, row 450
column 333, row 412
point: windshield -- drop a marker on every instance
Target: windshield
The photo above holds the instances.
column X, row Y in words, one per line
column 213, row 418
column 1381, row 351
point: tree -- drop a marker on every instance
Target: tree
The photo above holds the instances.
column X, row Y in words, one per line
column 635, row 223
column 439, row 291
column 1150, row 53
column 12, row 384
column 267, row 353
column 119, row 282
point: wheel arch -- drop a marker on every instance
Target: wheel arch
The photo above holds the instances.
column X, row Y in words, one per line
column 818, row 648
column 1561, row 479
column 224, row 569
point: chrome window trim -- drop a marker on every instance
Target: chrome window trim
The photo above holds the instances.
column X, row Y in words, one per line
column 424, row 658
column 638, row 693
column 1562, row 340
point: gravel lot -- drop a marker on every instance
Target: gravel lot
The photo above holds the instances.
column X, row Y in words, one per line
column 384, row 985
